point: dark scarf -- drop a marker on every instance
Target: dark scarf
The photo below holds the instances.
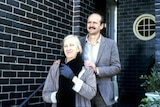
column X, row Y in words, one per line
column 65, row 95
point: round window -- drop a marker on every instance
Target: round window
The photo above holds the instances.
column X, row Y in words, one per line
column 144, row 27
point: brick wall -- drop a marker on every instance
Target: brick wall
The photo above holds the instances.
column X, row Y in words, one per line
column 135, row 54
column 31, row 32
column 157, row 43
column 30, row 35
column 82, row 8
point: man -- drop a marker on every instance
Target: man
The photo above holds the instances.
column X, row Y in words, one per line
column 102, row 55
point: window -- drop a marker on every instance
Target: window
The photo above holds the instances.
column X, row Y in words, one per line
column 144, row 27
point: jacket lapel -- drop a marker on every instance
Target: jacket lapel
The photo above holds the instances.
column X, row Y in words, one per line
column 101, row 47
column 100, row 51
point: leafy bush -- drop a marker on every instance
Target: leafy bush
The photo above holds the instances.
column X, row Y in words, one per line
column 145, row 102
column 151, row 82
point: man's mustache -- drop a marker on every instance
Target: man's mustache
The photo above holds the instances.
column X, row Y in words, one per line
column 92, row 28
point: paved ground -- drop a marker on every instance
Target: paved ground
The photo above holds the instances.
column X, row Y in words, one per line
column 128, row 102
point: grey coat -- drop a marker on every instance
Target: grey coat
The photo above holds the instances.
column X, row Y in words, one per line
column 83, row 97
column 108, row 64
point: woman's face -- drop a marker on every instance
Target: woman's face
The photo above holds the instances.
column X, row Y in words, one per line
column 70, row 48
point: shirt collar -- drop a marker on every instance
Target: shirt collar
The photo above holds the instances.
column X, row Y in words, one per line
column 98, row 41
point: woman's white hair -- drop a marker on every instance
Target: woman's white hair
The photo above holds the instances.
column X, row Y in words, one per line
column 76, row 40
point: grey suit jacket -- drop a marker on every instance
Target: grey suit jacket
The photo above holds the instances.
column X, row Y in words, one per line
column 108, row 64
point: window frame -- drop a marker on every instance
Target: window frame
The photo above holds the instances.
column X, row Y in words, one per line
column 145, row 29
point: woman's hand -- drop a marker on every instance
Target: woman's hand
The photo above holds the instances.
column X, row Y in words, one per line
column 66, row 72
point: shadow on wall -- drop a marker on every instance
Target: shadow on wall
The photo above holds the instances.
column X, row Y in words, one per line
column 131, row 92
column 136, row 65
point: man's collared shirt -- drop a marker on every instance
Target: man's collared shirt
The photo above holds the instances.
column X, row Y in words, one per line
column 91, row 50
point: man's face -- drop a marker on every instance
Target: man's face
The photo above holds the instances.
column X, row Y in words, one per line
column 94, row 25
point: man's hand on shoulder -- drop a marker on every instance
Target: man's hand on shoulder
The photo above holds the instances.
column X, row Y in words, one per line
column 57, row 61
column 91, row 64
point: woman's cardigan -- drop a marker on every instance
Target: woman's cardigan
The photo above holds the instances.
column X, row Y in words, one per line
column 83, row 96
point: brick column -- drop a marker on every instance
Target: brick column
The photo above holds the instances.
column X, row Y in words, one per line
column 81, row 9
column 157, row 44
column 75, row 18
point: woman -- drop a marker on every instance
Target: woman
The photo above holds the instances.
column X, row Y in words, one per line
column 70, row 83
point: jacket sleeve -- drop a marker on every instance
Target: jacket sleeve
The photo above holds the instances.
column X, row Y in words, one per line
column 51, row 83
column 89, row 87
column 110, row 63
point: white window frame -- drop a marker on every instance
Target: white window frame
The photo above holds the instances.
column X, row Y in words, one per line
column 145, row 27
